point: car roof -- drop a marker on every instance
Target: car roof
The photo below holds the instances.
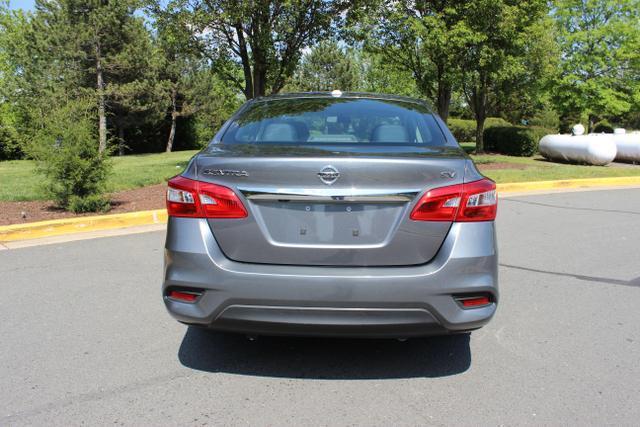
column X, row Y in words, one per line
column 350, row 95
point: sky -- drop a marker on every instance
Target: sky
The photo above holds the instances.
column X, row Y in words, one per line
column 21, row 4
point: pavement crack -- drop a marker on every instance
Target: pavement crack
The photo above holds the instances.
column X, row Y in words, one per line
column 573, row 208
column 632, row 283
column 92, row 396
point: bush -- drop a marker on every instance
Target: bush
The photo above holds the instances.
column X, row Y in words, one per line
column 66, row 151
column 465, row 130
column 514, row 140
column 91, row 203
column 495, row 121
column 603, row 127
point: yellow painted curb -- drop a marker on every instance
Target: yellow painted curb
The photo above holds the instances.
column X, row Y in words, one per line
column 622, row 181
column 56, row 227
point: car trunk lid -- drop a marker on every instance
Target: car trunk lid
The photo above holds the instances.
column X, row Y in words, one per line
column 330, row 206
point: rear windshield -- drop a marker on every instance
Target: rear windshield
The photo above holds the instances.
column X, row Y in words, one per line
column 335, row 121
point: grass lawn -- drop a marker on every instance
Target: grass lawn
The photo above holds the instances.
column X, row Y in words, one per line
column 504, row 169
column 18, row 180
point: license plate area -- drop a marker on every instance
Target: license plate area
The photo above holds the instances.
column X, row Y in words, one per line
column 328, row 224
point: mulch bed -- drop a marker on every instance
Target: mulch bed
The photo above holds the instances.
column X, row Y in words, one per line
column 140, row 199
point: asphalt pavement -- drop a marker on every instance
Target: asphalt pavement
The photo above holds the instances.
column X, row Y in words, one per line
column 85, row 339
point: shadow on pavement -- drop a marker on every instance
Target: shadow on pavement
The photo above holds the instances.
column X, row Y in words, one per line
column 324, row 358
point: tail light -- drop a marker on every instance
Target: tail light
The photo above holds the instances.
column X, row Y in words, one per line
column 184, row 295
column 473, row 201
column 197, row 199
column 474, row 301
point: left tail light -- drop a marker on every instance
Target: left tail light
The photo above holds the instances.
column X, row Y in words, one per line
column 468, row 202
column 196, row 199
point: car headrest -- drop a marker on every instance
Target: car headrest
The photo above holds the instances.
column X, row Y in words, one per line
column 390, row 133
column 280, row 132
column 302, row 130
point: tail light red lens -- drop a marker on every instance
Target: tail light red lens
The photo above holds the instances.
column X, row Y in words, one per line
column 189, row 198
column 473, row 201
column 184, row 296
column 474, row 301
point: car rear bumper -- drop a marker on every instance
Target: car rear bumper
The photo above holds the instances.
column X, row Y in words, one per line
column 335, row 301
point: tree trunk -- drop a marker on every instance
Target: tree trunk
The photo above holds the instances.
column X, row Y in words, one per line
column 444, row 91
column 480, row 113
column 246, row 61
column 174, row 117
column 444, row 100
column 480, row 135
column 259, row 77
column 120, row 141
column 479, row 104
column 102, row 117
column 172, row 134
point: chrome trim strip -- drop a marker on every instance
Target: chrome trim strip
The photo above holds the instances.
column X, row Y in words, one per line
column 331, row 198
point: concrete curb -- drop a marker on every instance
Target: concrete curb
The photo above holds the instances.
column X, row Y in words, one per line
column 57, row 227
column 586, row 183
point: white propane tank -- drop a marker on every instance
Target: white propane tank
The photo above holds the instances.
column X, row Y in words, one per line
column 627, row 144
column 592, row 149
column 577, row 129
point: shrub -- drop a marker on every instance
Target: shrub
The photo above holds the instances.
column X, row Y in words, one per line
column 603, row 127
column 514, row 140
column 66, row 152
column 465, row 130
column 495, row 121
column 90, row 203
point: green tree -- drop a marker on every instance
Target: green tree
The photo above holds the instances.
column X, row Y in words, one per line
column 216, row 102
column 135, row 94
column 378, row 76
column 29, row 82
column 424, row 39
column 181, row 61
column 192, row 85
column 95, row 39
column 263, row 38
column 496, row 34
column 599, row 71
column 524, row 97
column 9, row 135
column 327, row 67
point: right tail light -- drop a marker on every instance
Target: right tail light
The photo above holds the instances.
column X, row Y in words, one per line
column 468, row 202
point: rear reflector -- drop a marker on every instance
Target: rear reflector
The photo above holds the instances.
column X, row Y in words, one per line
column 184, row 296
column 469, row 302
column 473, row 201
column 196, row 199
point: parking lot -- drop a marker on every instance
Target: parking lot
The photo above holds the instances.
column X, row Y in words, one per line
column 86, row 339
